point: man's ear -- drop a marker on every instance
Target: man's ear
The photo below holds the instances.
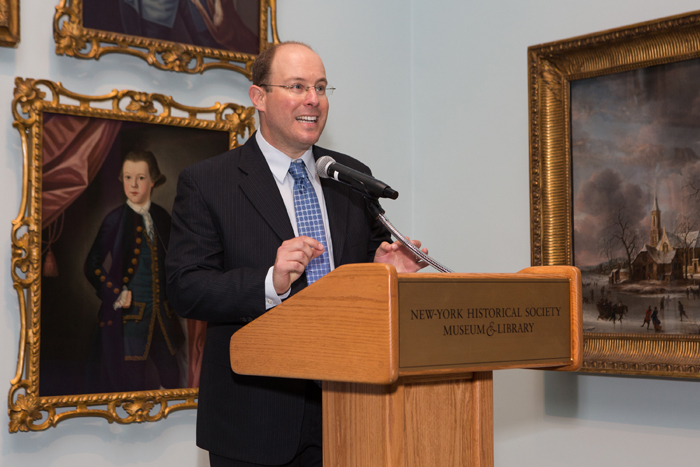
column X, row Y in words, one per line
column 257, row 97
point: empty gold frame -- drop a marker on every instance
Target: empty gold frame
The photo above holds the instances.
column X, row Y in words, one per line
column 52, row 287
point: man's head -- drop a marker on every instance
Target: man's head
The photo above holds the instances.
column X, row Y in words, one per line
column 289, row 122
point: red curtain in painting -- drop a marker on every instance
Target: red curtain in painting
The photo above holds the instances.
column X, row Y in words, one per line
column 197, row 334
column 74, row 150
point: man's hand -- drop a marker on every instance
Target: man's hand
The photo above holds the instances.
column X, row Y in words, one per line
column 292, row 258
column 399, row 256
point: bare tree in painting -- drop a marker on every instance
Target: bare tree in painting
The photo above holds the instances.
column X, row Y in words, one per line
column 622, row 231
column 692, row 185
column 609, row 248
column 691, row 188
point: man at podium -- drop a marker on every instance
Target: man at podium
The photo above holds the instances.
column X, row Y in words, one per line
column 252, row 227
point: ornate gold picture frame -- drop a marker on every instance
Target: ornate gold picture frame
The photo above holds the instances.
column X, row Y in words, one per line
column 9, row 23
column 623, row 63
column 75, row 150
column 189, row 37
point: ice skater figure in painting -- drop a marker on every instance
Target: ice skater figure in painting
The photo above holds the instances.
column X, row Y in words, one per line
column 647, row 318
column 695, row 291
column 681, row 311
column 655, row 320
column 138, row 335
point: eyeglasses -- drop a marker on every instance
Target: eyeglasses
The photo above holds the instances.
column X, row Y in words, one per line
column 301, row 90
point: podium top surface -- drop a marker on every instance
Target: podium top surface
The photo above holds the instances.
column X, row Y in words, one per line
column 365, row 323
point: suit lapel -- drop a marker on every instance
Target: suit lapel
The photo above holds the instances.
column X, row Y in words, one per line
column 337, row 198
column 259, row 185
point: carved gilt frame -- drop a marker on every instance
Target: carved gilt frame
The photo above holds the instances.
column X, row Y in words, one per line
column 29, row 410
column 551, row 69
column 9, row 23
column 74, row 40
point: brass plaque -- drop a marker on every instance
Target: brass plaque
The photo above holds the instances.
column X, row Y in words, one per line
column 483, row 322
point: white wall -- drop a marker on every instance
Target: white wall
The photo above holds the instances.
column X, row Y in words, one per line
column 433, row 96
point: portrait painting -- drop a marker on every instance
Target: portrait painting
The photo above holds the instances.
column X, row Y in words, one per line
column 635, row 151
column 232, row 25
column 107, row 324
column 615, row 188
column 189, row 36
column 99, row 337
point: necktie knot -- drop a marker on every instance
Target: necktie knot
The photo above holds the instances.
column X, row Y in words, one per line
column 297, row 170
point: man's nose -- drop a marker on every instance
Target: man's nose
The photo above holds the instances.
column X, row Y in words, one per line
column 311, row 97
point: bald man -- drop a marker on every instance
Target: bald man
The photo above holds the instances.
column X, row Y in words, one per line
column 236, row 250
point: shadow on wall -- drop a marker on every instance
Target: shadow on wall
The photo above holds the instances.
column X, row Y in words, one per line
column 666, row 403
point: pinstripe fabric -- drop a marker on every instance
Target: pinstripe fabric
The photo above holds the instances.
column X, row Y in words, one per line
column 228, row 221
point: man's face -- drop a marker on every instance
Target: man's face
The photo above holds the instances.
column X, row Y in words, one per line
column 292, row 123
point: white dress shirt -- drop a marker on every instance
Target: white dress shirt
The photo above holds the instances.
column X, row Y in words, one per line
column 279, row 166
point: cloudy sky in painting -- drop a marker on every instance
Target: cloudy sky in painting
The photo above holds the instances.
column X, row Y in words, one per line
column 634, row 135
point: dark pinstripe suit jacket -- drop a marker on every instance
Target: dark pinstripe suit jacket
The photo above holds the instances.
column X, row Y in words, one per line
column 228, row 221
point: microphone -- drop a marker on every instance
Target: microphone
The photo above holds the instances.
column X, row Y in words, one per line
column 327, row 167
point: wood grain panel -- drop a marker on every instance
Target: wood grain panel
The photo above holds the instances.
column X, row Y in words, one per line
column 415, row 422
column 342, row 328
column 363, row 425
column 450, row 423
column 437, row 423
column 481, row 435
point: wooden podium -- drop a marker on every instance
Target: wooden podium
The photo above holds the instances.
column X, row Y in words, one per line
column 406, row 360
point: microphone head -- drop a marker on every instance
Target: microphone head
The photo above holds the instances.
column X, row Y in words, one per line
column 322, row 165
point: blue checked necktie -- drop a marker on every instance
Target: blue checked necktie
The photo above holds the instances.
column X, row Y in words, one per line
column 309, row 219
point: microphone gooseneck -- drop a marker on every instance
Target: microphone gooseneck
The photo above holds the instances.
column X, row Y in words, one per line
column 378, row 213
column 372, row 189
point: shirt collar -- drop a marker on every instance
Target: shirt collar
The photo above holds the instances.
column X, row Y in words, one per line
column 279, row 161
column 140, row 209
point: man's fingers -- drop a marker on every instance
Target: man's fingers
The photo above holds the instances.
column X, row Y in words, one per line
column 316, row 252
column 292, row 258
column 386, row 247
column 292, row 267
column 297, row 256
column 311, row 242
column 306, row 245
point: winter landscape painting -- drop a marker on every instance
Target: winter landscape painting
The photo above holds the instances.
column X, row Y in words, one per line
column 635, row 147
